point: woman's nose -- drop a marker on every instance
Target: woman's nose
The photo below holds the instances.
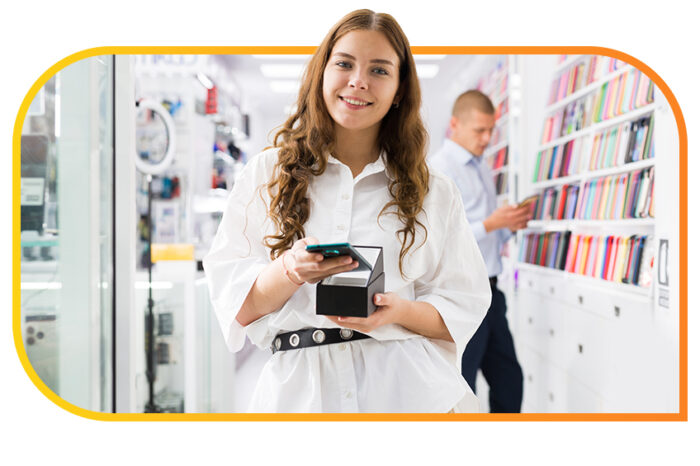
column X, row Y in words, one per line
column 357, row 81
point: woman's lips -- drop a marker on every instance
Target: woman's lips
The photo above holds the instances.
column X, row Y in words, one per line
column 355, row 103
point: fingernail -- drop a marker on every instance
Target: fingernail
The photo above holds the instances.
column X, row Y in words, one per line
column 378, row 299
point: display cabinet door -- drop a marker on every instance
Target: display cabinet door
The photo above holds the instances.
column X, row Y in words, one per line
column 67, row 233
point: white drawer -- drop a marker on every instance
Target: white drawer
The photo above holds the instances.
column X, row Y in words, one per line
column 549, row 389
column 645, row 365
column 559, row 349
column 547, row 283
column 526, row 280
column 587, row 299
column 532, row 322
column 588, row 349
column 542, row 324
column 555, row 390
column 581, row 399
column 534, row 368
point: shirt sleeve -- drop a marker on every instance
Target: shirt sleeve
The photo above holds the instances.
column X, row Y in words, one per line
column 237, row 255
column 478, row 229
column 457, row 286
column 505, row 235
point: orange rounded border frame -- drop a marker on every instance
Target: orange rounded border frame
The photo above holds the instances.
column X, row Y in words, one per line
column 682, row 415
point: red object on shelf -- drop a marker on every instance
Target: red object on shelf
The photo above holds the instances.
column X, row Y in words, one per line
column 210, row 106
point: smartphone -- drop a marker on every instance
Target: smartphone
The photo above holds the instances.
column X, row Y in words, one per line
column 340, row 249
column 528, row 200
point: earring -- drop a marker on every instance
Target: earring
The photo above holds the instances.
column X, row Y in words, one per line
column 396, row 105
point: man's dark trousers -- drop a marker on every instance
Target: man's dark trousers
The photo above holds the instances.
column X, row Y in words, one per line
column 491, row 350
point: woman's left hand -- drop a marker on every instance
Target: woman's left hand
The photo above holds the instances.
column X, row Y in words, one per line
column 388, row 311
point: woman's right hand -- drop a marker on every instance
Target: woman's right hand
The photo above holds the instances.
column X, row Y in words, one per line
column 308, row 267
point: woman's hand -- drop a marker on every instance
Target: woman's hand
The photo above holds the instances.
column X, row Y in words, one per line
column 388, row 312
column 308, row 267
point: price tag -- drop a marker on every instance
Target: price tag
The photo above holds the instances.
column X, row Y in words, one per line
column 32, row 191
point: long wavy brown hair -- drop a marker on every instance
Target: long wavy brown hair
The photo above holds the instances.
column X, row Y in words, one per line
column 307, row 137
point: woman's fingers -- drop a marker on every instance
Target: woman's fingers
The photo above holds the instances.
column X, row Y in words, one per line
column 312, row 263
column 321, row 274
column 354, row 323
column 362, row 324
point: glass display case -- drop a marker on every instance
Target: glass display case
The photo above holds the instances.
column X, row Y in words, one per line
column 66, row 290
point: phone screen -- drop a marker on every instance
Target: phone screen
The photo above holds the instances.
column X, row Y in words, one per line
column 340, row 249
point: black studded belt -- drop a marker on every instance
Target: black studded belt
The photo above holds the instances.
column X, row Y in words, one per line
column 314, row 337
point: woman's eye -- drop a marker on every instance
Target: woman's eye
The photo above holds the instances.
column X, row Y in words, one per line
column 343, row 64
column 381, row 71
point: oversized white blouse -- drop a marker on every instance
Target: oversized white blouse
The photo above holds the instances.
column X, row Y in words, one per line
column 395, row 371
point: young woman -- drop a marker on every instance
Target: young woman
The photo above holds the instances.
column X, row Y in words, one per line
column 349, row 166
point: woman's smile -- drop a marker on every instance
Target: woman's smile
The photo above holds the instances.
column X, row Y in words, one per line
column 355, row 103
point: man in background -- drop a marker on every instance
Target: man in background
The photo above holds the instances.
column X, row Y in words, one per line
column 491, row 348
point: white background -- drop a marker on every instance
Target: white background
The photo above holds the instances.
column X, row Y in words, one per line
column 37, row 34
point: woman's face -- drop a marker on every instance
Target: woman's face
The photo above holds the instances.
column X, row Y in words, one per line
column 360, row 80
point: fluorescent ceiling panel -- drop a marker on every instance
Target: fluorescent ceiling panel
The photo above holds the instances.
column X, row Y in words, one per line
column 282, row 70
column 417, row 57
column 284, row 87
column 427, row 71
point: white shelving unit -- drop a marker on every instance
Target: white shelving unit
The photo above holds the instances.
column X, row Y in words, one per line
column 587, row 90
column 601, row 125
column 590, row 174
column 509, row 126
column 590, row 345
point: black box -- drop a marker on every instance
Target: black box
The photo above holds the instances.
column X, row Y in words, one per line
column 351, row 294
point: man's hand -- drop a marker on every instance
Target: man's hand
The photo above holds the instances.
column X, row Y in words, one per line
column 512, row 217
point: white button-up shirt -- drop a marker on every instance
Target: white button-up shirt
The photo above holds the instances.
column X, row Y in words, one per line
column 475, row 183
column 395, row 371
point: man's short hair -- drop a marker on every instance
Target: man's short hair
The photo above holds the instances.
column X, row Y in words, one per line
column 475, row 100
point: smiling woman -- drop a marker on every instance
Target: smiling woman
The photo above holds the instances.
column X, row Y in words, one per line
column 360, row 83
column 317, row 129
column 349, row 167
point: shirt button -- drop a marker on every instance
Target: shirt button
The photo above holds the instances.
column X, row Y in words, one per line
column 348, row 395
column 342, row 346
column 341, row 227
column 346, row 197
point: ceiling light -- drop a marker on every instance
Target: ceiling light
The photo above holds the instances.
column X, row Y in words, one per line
column 283, row 70
column 285, row 87
column 427, row 71
column 417, row 57
column 281, row 57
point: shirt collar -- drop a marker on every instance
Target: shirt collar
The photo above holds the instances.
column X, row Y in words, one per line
column 458, row 154
column 377, row 166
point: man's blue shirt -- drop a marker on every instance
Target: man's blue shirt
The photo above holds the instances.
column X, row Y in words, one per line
column 475, row 181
